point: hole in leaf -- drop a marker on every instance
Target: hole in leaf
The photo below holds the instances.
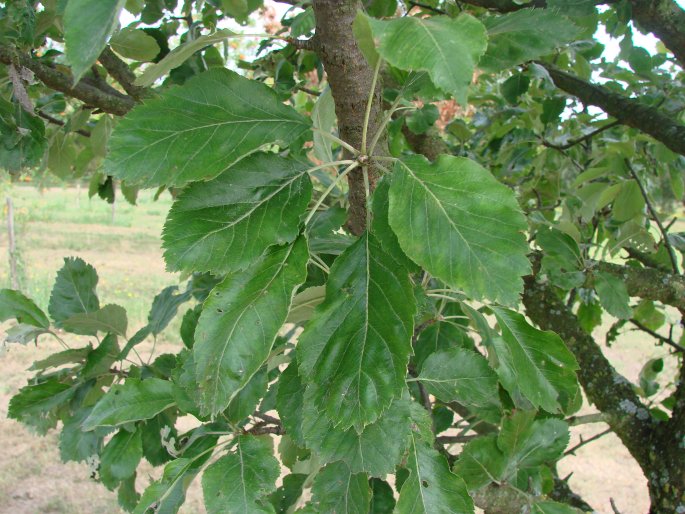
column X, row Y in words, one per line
column 424, row 483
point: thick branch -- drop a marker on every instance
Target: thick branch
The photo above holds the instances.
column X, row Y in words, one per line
column 650, row 284
column 626, row 110
column 90, row 95
column 350, row 78
column 120, row 72
column 610, row 392
column 666, row 20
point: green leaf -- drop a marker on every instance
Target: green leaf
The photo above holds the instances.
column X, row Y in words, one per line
column 528, row 443
column 34, row 405
column 305, row 303
column 461, row 375
column 481, row 462
column 382, row 497
column 87, row 26
column 133, row 400
column 110, row 318
column 135, row 44
column 354, row 351
column 166, row 495
column 550, row 507
column 127, row 496
column 514, row 87
column 431, row 487
column 13, row 304
column 629, row 202
column 463, row 226
column 22, row 137
column 238, row 482
column 534, row 362
column 447, row 48
column 74, row 292
column 179, row 55
column 286, row 495
column 323, row 118
column 376, row 449
column 73, row 355
column 613, row 295
column 422, row 119
column 337, row 489
column 226, row 223
column 289, row 402
column 245, row 402
column 164, row 308
column 120, row 457
column 75, row 445
column 239, row 323
column 524, row 35
column 24, row 334
column 198, row 130
column 100, row 360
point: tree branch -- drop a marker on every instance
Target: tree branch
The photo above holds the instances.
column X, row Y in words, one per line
column 120, row 72
column 666, row 20
column 651, row 284
column 609, row 391
column 55, row 121
column 90, row 95
column 627, row 111
column 581, row 139
column 666, row 340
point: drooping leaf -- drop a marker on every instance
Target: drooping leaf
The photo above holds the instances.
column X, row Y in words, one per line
column 354, row 351
column 447, row 48
column 288, row 493
column 225, row 224
column 289, row 402
column 534, row 362
column 337, row 489
column 463, row 226
column 613, row 295
column 431, row 486
column 245, row 402
column 100, row 359
column 87, row 26
column 133, row 400
column 198, row 130
column 72, row 355
column 375, row 450
column 24, row 334
column 524, row 35
column 74, row 292
column 168, row 493
column 461, row 375
column 164, row 308
column 34, row 405
column 110, row 318
column 629, row 202
column 382, row 497
column 240, row 481
column 239, row 323
column 14, row 304
column 120, row 457
column 74, row 444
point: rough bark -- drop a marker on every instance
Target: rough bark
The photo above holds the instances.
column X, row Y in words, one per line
column 350, row 78
column 92, row 96
column 628, row 111
column 666, row 20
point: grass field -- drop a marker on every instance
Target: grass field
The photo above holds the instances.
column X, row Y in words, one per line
column 63, row 222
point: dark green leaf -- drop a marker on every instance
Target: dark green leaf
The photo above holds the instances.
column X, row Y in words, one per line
column 133, row 400
column 167, row 140
column 240, row 321
column 13, row 304
column 239, row 482
column 34, row 405
column 354, row 351
column 382, row 497
column 225, row 224
column 613, row 295
column 481, row 462
column 74, row 292
column 120, row 457
column 164, row 308
column 534, row 362
column 336, row 489
column 463, row 226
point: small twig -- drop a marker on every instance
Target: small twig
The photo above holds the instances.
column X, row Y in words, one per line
column 652, row 211
column 55, row 121
column 666, row 340
column 267, row 418
column 597, row 417
column 583, row 442
column 455, row 439
column 307, row 90
column 613, row 506
column 581, row 139
column 263, row 430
